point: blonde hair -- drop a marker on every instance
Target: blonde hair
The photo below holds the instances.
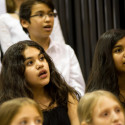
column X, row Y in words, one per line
column 88, row 102
column 10, row 108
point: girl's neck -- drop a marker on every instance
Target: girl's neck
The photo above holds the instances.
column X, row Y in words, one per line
column 44, row 42
column 43, row 99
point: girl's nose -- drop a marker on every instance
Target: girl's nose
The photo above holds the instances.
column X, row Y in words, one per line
column 39, row 65
column 32, row 123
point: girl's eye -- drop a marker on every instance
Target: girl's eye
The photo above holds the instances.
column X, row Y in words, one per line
column 29, row 63
column 38, row 121
column 117, row 50
column 42, row 58
column 117, row 110
column 105, row 114
column 24, row 122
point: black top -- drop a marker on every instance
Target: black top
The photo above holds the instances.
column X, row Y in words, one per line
column 56, row 116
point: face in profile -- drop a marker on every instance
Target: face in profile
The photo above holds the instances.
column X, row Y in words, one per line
column 108, row 112
column 37, row 72
column 27, row 115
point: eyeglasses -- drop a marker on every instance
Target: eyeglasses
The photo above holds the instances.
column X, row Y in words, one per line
column 43, row 15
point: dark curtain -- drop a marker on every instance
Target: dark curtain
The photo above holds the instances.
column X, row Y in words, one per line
column 83, row 21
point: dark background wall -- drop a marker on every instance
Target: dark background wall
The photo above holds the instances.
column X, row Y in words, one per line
column 83, row 21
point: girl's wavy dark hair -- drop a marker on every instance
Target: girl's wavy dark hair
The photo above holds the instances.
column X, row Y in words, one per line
column 13, row 83
column 103, row 74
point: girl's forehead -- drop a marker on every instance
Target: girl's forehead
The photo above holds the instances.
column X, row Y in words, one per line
column 31, row 51
column 103, row 100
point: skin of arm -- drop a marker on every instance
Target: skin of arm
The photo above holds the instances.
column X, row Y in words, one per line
column 72, row 110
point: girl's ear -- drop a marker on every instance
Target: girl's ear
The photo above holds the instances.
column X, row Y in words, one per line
column 84, row 123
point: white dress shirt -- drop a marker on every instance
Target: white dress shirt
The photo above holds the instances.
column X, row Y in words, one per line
column 2, row 7
column 67, row 64
column 10, row 31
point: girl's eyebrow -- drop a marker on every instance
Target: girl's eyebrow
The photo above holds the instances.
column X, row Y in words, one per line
column 116, row 46
column 28, row 58
column 32, row 57
column 40, row 54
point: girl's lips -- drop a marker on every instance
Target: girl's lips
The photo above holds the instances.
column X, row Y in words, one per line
column 42, row 74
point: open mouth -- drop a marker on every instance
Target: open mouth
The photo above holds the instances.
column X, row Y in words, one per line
column 47, row 26
column 43, row 74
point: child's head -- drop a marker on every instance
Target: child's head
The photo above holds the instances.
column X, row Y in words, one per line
column 16, row 64
column 20, row 111
column 39, row 12
column 104, row 47
column 104, row 72
column 100, row 108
